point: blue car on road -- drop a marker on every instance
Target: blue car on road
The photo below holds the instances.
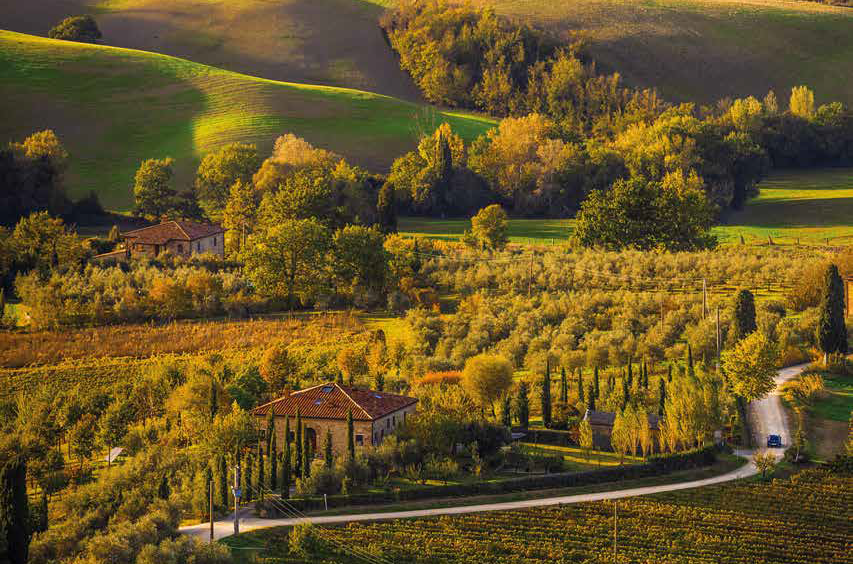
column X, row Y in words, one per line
column 774, row 441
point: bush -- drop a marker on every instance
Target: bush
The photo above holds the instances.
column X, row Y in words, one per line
column 321, row 481
column 77, row 28
column 303, row 541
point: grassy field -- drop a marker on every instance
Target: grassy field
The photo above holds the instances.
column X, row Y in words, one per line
column 809, row 205
column 704, row 50
column 805, row 206
column 115, row 107
column 330, row 42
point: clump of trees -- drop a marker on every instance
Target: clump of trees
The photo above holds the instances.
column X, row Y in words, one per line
column 76, row 28
column 671, row 215
column 31, row 177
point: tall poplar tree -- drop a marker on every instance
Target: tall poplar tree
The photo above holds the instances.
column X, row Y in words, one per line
column 591, row 397
column 564, row 386
column 662, row 398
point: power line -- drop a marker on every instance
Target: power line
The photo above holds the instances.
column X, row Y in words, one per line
column 288, row 509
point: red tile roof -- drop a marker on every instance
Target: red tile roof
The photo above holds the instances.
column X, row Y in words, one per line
column 332, row 401
column 173, row 231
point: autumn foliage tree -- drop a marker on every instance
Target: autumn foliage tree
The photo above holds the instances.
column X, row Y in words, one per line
column 486, row 378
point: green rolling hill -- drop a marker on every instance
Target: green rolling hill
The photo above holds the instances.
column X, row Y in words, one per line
column 115, row 107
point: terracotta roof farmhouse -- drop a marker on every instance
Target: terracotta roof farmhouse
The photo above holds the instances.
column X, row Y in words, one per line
column 326, row 407
column 183, row 238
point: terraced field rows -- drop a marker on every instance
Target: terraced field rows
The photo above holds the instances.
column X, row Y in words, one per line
column 806, row 520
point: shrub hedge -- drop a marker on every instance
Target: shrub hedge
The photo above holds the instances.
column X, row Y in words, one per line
column 654, row 466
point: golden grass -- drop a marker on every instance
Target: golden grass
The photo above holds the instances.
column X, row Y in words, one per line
column 21, row 349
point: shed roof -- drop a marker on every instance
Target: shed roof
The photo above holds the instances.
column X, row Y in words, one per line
column 333, row 401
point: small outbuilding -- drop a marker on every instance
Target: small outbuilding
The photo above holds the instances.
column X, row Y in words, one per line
column 601, row 423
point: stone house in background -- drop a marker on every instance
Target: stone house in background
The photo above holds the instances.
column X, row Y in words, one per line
column 324, row 407
column 181, row 238
column 601, row 423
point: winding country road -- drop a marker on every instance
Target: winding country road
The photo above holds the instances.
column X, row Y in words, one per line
column 767, row 417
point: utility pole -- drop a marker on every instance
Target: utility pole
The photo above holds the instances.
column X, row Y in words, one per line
column 704, row 298
column 236, row 490
column 211, row 511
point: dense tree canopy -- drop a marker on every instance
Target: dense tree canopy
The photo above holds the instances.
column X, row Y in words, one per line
column 77, row 28
column 218, row 172
column 672, row 215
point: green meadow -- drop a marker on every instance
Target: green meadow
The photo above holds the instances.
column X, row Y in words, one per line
column 794, row 207
column 115, row 107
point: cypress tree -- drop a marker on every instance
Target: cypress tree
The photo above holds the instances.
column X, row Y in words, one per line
column 306, row 455
column 213, row 401
column 744, row 315
column 506, row 412
column 222, row 474
column 273, row 457
column 247, row 477
column 591, row 397
column 340, row 378
column 630, row 374
column 328, row 456
column 41, row 524
column 595, row 380
column 208, row 483
column 163, row 490
column 831, row 330
column 564, row 386
column 287, row 455
column 284, row 482
column 14, row 511
column 645, row 375
column 546, row 396
column 350, row 436
column 669, row 373
column 580, row 386
column 298, row 443
column 261, row 474
column 270, row 427
column 689, row 362
column 626, row 394
column 662, row 400
column 522, row 407
column 380, row 382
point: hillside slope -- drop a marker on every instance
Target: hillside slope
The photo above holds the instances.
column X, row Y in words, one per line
column 700, row 50
column 704, row 50
column 115, row 107
column 330, row 42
